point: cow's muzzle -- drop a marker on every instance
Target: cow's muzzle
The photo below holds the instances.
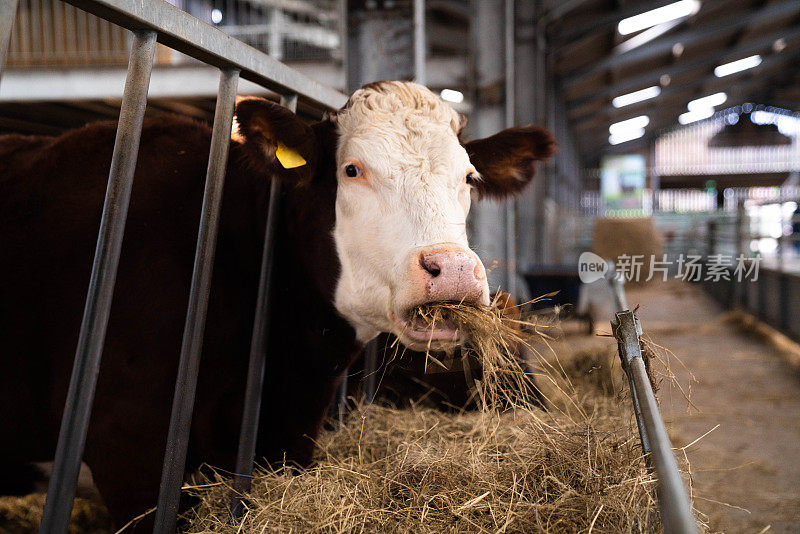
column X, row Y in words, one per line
column 445, row 273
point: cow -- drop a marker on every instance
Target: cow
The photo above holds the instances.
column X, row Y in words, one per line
column 372, row 222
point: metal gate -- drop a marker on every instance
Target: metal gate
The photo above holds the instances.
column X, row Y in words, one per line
column 151, row 21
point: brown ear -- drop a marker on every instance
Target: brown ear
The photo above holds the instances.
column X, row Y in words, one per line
column 263, row 127
column 507, row 160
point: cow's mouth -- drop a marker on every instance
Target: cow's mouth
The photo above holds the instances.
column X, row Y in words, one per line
column 418, row 331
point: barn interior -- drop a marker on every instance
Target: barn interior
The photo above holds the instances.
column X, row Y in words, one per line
column 678, row 131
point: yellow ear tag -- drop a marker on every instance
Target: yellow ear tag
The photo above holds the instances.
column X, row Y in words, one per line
column 288, row 158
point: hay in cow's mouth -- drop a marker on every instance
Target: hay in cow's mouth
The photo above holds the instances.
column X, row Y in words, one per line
column 493, row 334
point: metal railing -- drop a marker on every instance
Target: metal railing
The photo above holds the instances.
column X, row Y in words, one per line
column 151, row 21
column 764, row 230
column 673, row 501
column 660, row 201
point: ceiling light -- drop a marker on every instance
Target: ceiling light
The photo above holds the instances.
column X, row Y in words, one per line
column 665, row 80
column 737, row 66
column 779, row 45
column 696, row 115
column 636, row 96
column 451, row 95
column 216, row 16
column 651, row 18
column 627, row 135
column 635, row 123
column 707, row 102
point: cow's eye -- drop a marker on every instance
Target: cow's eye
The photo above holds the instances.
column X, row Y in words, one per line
column 352, row 171
column 470, row 178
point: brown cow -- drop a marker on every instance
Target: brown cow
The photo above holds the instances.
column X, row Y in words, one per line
column 372, row 224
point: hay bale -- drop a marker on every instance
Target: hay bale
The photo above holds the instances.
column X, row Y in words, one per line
column 613, row 238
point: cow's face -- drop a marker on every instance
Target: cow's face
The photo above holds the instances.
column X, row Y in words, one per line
column 404, row 183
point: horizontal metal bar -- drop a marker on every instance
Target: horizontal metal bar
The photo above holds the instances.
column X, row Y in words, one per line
column 185, row 33
column 248, row 434
column 192, row 345
column 676, row 510
column 78, row 407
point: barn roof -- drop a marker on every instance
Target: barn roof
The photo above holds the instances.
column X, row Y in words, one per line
column 593, row 63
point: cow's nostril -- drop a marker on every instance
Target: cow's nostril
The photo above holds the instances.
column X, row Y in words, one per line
column 430, row 266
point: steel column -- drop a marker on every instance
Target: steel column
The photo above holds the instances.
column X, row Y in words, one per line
column 489, row 219
column 78, row 407
column 8, row 15
column 510, row 118
column 380, row 44
column 258, row 349
column 192, row 344
column 420, row 45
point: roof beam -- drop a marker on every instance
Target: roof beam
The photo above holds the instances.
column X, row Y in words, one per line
column 666, row 117
column 609, row 112
column 652, row 77
column 770, row 12
column 570, row 33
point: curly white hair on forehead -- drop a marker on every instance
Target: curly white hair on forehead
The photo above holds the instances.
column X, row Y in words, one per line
column 393, row 101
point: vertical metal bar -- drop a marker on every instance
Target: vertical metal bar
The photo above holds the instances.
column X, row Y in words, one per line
column 8, row 14
column 78, row 407
column 370, row 370
column 343, row 399
column 741, row 236
column 258, row 349
column 676, row 511
column 419, row 41
column 510, row 118
column 192, row 344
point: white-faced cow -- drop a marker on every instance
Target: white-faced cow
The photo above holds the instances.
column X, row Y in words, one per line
column 371, row 225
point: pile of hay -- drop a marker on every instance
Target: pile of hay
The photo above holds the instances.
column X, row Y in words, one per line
column 426, row 471
column 574, row 468
column 22, row 515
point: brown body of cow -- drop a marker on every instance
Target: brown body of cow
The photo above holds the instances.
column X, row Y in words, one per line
column 51, row 196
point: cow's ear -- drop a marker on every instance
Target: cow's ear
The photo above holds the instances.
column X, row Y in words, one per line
column 507, row 160
column 276, row 141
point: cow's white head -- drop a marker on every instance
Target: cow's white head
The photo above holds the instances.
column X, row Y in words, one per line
column 404, row 183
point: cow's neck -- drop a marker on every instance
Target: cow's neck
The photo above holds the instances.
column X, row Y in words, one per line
column 308, row 263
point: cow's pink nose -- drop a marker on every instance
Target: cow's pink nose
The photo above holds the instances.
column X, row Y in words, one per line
column 452, row 275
